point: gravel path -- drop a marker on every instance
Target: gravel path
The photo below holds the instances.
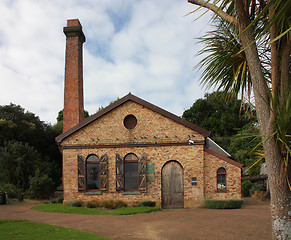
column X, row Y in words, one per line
column 253, row 221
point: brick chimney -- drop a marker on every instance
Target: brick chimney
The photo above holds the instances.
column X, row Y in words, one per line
column 73, row 96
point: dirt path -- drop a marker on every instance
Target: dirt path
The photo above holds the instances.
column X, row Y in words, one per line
column 253, row 221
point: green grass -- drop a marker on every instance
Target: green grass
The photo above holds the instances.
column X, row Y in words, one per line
column 61, row 208
column 26, row 230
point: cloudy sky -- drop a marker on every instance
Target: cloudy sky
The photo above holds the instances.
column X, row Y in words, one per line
column 146, row 47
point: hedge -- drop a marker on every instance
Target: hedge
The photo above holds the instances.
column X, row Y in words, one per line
column 223, row 203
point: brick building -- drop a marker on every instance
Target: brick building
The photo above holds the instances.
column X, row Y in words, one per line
column 133, row 150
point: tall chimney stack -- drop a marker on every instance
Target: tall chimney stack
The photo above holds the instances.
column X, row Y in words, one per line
column 73, row 96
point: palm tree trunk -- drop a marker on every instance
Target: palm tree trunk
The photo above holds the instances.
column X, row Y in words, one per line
column 280, row 194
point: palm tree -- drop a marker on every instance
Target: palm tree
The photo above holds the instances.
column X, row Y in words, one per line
column 241, row 60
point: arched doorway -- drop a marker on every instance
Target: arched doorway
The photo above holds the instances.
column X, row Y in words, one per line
column 172, row 185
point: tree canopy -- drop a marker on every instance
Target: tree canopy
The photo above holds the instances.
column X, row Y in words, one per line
column 27, row 147
column 219, row 113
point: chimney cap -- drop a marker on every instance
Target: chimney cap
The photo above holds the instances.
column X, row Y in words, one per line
column 74, row 29
column 73, row 22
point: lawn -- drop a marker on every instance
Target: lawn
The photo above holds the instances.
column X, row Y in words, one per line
column 26, row 230
column 61, row 208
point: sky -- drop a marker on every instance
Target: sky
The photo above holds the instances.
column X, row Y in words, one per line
column 146, row 47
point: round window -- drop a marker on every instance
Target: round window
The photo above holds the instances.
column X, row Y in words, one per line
column 130, row 122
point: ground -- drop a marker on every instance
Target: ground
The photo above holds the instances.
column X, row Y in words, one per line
column 252, row 222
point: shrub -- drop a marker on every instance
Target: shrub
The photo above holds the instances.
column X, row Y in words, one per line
column 111, row 204
column 255, row 188
column 60, row 199
column 120, row 204
column 41, row 185
column 223, row 203
column 93, row 204
column 147, row 203
column 245, row 188
column 54, row 201
column 11, row 190
column 76, row 203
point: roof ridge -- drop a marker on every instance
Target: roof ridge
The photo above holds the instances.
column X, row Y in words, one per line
column 131, row 97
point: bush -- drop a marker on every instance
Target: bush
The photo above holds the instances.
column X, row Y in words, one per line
column 59, row 199
column 255, row 188
column 147, row 203
column 93, row 204
column 11, row 190
column 41, row 186
column 120, row 204
column 223, row 203
column 76, row 203
column 111, row 204
column 245, row 188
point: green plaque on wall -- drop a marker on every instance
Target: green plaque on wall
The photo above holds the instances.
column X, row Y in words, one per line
column 151, row 178
column 150, row 168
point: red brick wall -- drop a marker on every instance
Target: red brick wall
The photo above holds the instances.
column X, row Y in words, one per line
column 73, row 96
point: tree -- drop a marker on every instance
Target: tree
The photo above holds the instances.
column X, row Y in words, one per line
column 272, row 94
column 27, row 144
column 219, row 113
column 232, row 127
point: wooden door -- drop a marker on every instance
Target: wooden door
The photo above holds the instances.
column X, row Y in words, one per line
column 172, row 185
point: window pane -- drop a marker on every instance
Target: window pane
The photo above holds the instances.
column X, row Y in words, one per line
column 221, row 170
column 93, row 176
column 130, row 175
column 92, row 158
column 221, row 181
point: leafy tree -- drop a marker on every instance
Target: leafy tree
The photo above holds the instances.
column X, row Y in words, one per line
column 268, row 67
column 26, row 144
column 231, row 126
column 218, row 112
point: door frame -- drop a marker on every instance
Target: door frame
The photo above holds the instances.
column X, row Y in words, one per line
column 162, row 180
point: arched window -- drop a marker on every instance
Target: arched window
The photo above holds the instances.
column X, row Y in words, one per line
column 93, row 173
column 221, row 179
column 130, row 172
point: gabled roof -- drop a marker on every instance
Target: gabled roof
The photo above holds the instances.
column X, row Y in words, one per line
column 216, row 148
column 131, row 97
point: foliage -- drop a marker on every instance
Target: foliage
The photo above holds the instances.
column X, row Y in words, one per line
column 110, row 204
column 245, row 188
column 11, row 190
column 255, row 188
column 27, row 145
column 61, row 208
column 147, row 203
column 77, row 203
column 26, row 230
column 282, row 126
column 223, row 203
column 40, row 186
column 225, row 67
column 233, row 127
column 93, row 204
column 59, row 199
column 219, row 112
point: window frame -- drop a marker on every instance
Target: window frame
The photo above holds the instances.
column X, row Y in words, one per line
column 125, row 160
column 219, row 176
column 86, row 172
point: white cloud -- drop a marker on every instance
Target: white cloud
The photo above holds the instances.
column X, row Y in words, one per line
column 145, row 47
